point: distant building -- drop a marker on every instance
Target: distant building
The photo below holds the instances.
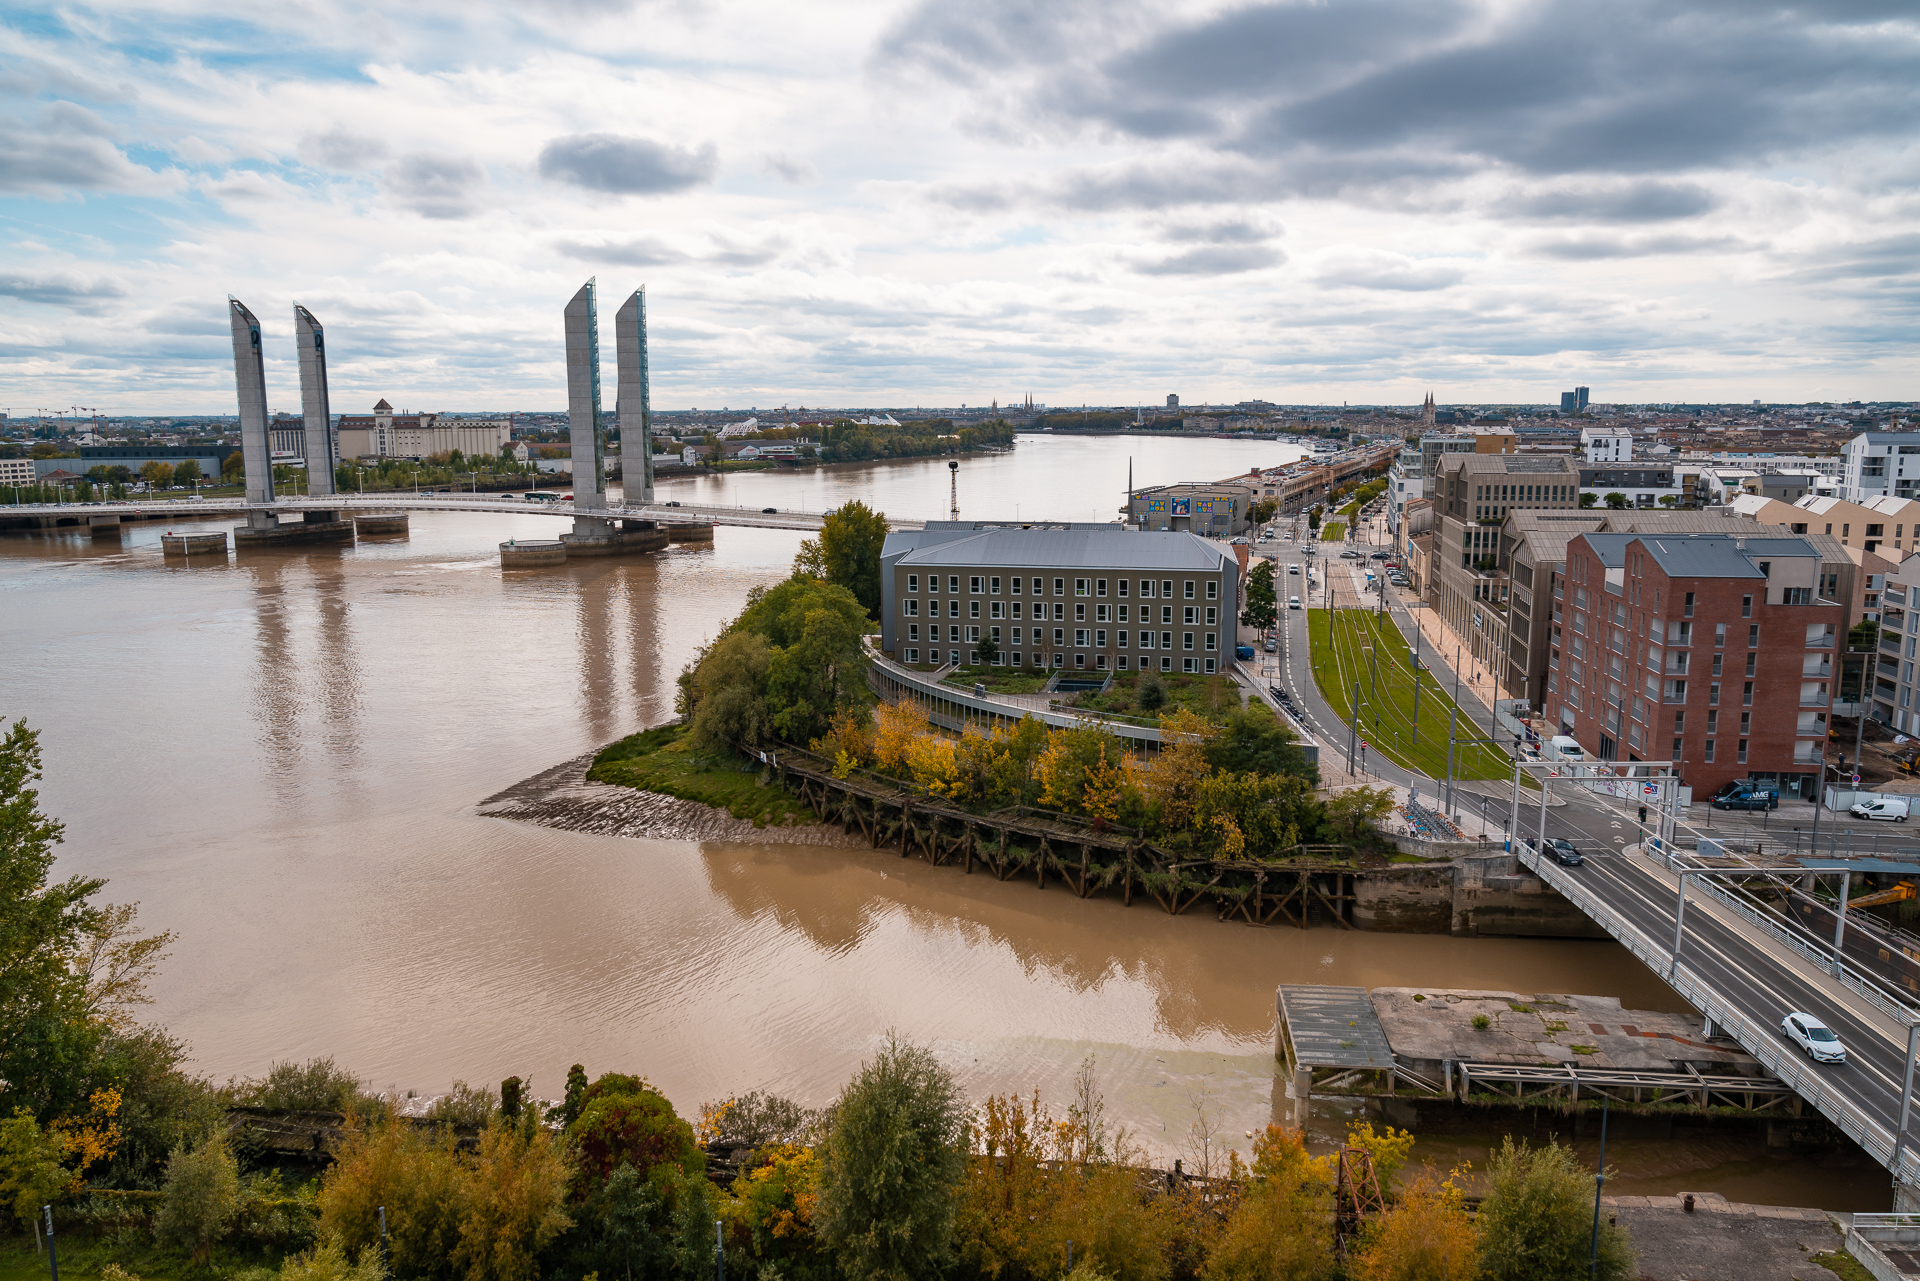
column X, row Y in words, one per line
column 133, row 457
column 1220, row 510
column 1574, row 402
column 17, row 471
column 1606, row 445
column 1877, row 463
column 385, row 434
column 1073, row 597
column 1173, row 401
column 1642, row 487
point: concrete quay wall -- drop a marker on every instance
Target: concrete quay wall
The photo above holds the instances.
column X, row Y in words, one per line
column 1480, row 890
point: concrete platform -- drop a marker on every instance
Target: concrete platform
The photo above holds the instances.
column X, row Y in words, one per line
column 1431, row 1026
column 689, row 533
column 293, row 533
column 522, row 554
column 616, row 542
column 194, row 544
column 1723, row 1240
column 384, row 523
column 104, row 526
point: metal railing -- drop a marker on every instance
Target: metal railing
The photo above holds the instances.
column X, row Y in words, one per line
column 1875, row 1138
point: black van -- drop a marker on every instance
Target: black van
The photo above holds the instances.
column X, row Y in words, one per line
column 1747, row 795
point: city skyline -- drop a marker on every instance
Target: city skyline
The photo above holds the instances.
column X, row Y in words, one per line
column 905, row 202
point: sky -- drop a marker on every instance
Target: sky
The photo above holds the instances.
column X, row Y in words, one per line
column 922, row 202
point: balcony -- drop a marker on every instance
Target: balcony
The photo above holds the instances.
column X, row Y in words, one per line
column 1818, row 669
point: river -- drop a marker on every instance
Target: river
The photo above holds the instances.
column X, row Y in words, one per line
column 279, row 756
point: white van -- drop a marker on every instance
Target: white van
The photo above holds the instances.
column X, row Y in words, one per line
column 1565, row 748
column 1891, row 809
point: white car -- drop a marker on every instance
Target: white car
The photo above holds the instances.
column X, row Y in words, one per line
column 1813, row 1036
column 1293, row 602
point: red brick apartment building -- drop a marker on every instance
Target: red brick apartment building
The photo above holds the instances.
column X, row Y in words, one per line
column 1713, row 650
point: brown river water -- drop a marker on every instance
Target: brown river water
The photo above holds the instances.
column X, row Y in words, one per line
column 279, row 757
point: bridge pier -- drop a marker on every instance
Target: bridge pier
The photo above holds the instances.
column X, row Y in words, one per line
column 598, row 536
column 383, row 523
column 689, row 533
column 275, row 533
column 104, row 526
column 191, row 545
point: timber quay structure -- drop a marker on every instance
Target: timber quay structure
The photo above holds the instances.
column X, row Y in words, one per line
column 1305, row 884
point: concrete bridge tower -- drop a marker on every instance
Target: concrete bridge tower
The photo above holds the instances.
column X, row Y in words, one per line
column 321, row 449
column 250, row 375
column 636, row 414
column 584, row 425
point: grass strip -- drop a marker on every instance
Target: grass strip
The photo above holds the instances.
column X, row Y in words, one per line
column 1340, row 642
column 664, row 760
column 1334, row 532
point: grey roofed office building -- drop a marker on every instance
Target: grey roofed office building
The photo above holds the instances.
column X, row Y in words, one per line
column 1090, row 586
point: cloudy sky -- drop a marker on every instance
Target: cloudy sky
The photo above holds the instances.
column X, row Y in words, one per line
column 928, row 202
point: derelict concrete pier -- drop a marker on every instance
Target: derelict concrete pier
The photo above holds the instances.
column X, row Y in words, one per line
column 191, row 545
column 381, row 523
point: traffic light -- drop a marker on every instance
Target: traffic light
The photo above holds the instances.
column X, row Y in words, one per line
column 1643, row 815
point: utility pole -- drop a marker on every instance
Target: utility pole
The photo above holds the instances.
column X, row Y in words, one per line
column 1452, row 721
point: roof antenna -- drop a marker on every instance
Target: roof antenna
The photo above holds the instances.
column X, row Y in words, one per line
column 953, row 490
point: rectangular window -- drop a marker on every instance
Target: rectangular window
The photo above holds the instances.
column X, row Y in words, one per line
column 1016, row 635
column 973, row 609
column 1210, row 636
column 1059, row 587
column 1059, row 610
column 1753, row 636
column 998, row 606
column 1123, row 612
column 1741, row 756
column 913, row 582
column 1166, row 640
column 1100, row 662
column 1746, row 605
column 1015, row 584
column 1166, row 662
column 953, row 634
column 1676, row 748
column 1709, row 750
column 993, row 585
column 913, row 656
column 1187, row 640
column 913, row 631
column 973, row 584
column 1746, row 695
column 911, row 608
column 1146, row 640
column 1100, row 587
column 1713, row 695
column 1101, row 613
column 1016, row 605
column 1189, row 589
column 1716, row 664
column 1713, row 722
column 1166, row 588
column 953, row 656
column 1100, row 638
column 1059, row 636
column 1213, row 589
column 1213, row 615
column 953, row 584
column 1166, row 613
column 1083, row 587
column 1079, row 611
column 1186, row 664
column 1080, row 638
column 1146, row 587
column 1752, row 662
column 1121, row 641
column 1796, row 595
column 973, row 634
column 1189, row 614
column 1687, row 611
column 1122, row 585
column 1719, row 635
column 1123, row 659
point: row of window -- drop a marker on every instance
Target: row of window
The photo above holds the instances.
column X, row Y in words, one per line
column 1191, row 615
column 1083, row 638
column 989, row 585
column 1080, row 663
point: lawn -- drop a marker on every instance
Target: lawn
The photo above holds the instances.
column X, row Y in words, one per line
column 1340, row 642
column 1211, row 696
column 1334, row 532
column 664, row 760
column 998, row 680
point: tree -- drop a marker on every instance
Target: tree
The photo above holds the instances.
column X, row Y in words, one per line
column 1616, row 502
column 30, row 1171
column 186, row 471
column 46, row 1038
column 157, row 474
column 726, row 694
column 1262, row 609
column 1262, row 512
column 891, row 1165
column 822, row 672
column 985, row 651
column 1426, row 1236
column 1588, row 499
column 1536, row 1223
column 625, row 1121
column 1282, row 1229
column 518, row 1186
column 1359, row 808
column 1313, row 520
column 199, row 1200
column 1149, row 692
column 233, row 466
column 847, row 552
column 1253, row 741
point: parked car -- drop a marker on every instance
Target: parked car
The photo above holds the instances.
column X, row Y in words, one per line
column 1268, row 645
column 1887, row 809
column 1813, row 1036
column 1381, row 556
column 1243, row 651
column 674, row 503
column 1744, row 794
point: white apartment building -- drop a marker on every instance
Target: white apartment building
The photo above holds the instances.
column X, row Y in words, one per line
column 1881, row 464
column 1606, row 445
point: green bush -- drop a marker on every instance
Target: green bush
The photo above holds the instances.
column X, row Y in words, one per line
column 200, row 1200
column 625, row 1121
column 1536, row 1223
column 328, row 1262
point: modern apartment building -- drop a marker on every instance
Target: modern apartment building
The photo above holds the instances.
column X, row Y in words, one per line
column 1606, row 445
column 1881, row 464
column 1643, row 486
column 1895, row 690
column 1474, row 495
column 1889, row 526
column 1716, row 651
column 1533, row 553
column 1078, row 597
column 1412, row 473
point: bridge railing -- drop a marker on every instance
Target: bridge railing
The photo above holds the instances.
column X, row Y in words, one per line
column 1853, row 1121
